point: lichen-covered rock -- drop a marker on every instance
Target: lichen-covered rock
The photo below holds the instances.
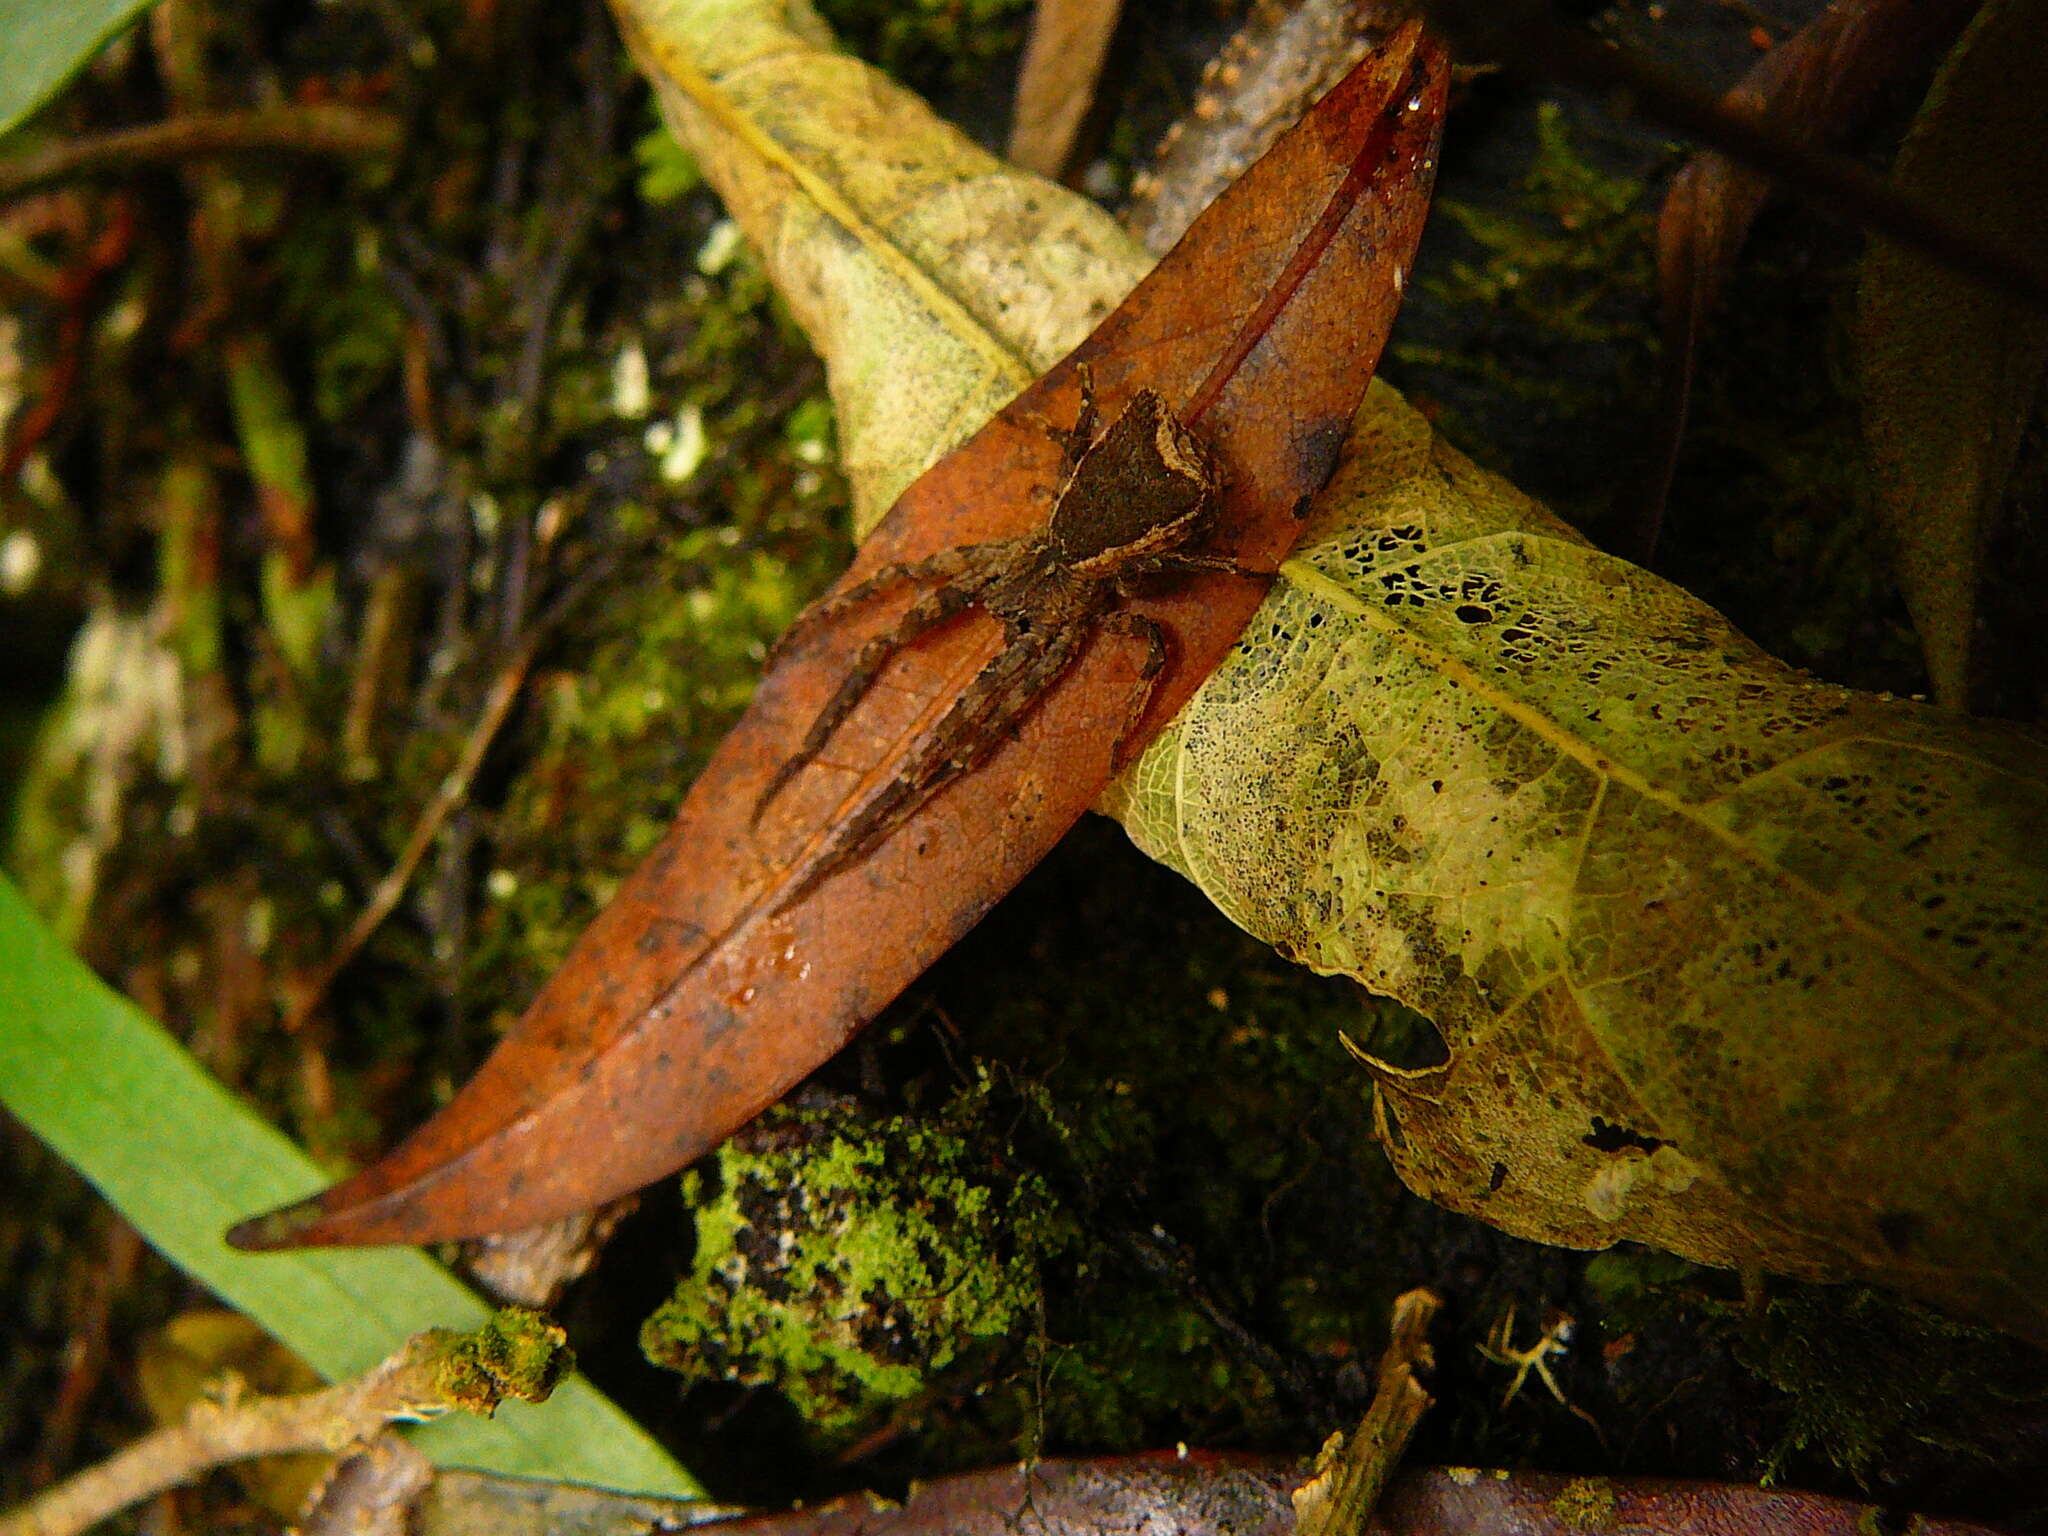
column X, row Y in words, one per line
column 844, row 1259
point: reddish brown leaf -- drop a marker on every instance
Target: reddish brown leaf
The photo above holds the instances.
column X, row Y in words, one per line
column 1208, row 1495
column 1813, row 87
column 697, row 998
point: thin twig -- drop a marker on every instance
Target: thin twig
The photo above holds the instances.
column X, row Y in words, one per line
column 1352, row 1470
column 329, row 129
column 432, row 1374
column 1162, row 1256
column 448, row 798
column 454, row 789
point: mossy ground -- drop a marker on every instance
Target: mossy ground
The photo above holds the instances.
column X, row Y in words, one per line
column 1199, row 1241
column 850, row 1260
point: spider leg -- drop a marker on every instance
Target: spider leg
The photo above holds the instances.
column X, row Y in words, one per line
column 1001, row 694
column 1180, row 565
column 977, row 722
column 927, row 613
column 946, row 565
column 1074, row 440
column 1142, row 628
column 1087, row 421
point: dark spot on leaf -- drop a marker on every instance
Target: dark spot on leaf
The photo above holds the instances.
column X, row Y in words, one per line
column 1474, row 613
column 1498, row 1177
column 1316, row 450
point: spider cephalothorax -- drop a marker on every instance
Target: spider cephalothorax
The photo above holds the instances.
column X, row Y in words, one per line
column 1138, row 495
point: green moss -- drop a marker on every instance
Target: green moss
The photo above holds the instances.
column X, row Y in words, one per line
column 1628, row 1276
column 667, row 170
column 1867, row 1376
column 1172, row 1074
column 1577, row 238
column 517, row 1353
column 846, row 1261
column 1562, row 278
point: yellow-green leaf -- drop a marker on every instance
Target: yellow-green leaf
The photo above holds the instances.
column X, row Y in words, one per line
column 46, row 42
column 1727, row 960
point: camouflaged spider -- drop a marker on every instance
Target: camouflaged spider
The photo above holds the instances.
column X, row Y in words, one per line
column 1137, row 495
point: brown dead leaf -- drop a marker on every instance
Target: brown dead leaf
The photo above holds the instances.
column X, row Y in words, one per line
column 726, row 969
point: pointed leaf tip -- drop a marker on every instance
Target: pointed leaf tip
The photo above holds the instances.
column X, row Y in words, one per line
column 281, row 1228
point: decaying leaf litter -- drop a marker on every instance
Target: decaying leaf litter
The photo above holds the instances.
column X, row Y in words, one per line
column 745, row 951
column 1819, row 83
column 1763, row 1001
column 1160, row 893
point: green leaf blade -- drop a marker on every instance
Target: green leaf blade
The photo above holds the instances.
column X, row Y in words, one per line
column 46, row 42
column 182, row 1157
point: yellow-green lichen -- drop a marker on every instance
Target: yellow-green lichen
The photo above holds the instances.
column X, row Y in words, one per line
column 845, row 1260
column 517, row 1353
column 1585, row 1504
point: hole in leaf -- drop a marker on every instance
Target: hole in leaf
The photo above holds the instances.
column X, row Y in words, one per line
column 1619, row 1138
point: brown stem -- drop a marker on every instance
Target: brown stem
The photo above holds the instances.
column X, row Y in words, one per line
column 1352, row 1471
column 318, row 130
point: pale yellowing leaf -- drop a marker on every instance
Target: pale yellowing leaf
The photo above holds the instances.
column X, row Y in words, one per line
column 934, row 280
column 1727, row 960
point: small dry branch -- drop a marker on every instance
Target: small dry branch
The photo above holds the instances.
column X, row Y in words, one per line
column 1352, row 1471
column 321, row 130
column 517, row 1354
